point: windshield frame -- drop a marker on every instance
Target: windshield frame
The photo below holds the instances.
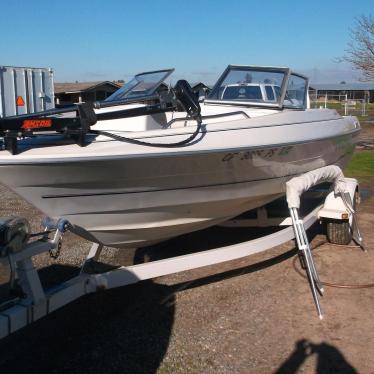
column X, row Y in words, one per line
column 305, row 93
column 278, row 104
column 124, row 92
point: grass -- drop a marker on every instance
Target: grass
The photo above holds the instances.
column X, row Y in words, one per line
column 362, row 164
column 361, row 167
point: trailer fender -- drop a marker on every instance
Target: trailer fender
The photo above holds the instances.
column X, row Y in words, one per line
column 334, row 206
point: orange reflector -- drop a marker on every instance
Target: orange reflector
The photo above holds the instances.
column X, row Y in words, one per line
column 36, row 123
column 345, row 215
column 20, row 101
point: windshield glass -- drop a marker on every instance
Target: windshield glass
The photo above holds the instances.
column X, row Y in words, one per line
column 249, row 84
column 241, row 92
column 141, row 85
column 269, row 92
column 296, row 92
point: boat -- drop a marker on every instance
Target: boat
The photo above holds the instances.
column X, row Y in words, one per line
column 146, row 165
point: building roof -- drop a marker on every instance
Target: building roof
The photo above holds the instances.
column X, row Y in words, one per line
column 81, row 86
column 358, row 86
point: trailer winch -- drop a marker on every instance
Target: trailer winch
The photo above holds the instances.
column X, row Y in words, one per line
column 14, row 234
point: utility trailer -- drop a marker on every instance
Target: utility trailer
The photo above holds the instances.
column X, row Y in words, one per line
column 25, row 90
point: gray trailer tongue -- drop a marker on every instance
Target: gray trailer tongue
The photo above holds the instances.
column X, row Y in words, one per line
column 25, row 90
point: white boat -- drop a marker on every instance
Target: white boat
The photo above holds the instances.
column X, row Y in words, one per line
column 159, row 165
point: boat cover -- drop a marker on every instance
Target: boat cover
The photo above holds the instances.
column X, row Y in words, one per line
column 296, row 186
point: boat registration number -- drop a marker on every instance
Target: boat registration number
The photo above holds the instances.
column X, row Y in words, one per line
column 262, row 153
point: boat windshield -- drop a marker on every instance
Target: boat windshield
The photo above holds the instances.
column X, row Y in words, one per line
column 142, row 85
column 260, row 86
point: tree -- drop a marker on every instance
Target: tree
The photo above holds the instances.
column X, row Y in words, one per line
column 360, row 51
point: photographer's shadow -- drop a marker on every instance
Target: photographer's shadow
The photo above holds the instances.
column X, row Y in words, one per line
column 329, row 359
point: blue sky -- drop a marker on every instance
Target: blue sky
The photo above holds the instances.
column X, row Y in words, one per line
column 97, row 40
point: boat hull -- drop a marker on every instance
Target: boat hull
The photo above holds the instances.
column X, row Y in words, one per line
column 137, row 201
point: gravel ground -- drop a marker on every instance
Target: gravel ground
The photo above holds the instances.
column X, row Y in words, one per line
column 253, row 315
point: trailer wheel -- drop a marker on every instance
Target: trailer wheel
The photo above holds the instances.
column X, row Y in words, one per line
column 338, row 231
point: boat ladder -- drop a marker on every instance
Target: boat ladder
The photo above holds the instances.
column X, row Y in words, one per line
column 304, row 247
column 335, row 207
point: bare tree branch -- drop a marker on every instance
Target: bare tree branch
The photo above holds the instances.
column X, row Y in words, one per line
column 360, row 51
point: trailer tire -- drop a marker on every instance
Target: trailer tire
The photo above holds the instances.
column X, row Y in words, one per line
column 338, row 232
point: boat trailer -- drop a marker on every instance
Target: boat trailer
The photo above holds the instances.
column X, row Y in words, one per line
column 17, row 251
